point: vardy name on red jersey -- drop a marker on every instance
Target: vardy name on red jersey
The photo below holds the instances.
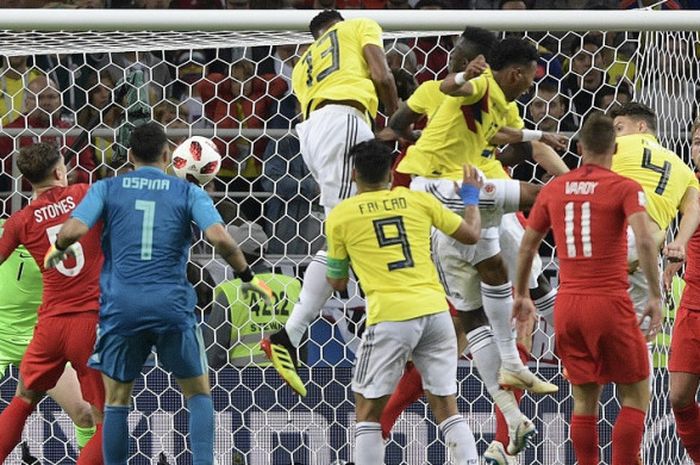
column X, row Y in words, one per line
column 587, row 210
column 74, row 285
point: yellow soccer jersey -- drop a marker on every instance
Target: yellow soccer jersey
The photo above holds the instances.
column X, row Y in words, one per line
column 334, row 67
column 459, row 132
column 386, row 236
column 661, row 173
column 426, row 99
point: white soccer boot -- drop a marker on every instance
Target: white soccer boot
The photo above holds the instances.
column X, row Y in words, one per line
column 522, row 436
column 525, row 379
column 496, row 454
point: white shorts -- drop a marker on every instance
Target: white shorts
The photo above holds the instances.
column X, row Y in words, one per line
column 455, row 264
column 325, row 139
column 497, row 196
column 639, row 287
column 511, row 235
column 429, row 341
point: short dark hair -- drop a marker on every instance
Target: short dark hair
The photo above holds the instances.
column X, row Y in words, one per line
column 322, row 19
column 372, row 160
column 598, row 134
column 481, row 40
column 512, row 51
column 578, row 44
column 636, row 111
column 36, row 161
column 147, row 142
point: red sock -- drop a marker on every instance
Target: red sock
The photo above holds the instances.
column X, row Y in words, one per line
column 627, row 435
column 501, row 425
column 12, row 422
column 584, row 436
column 409, row 390
column 688, row 429
column 92, row 452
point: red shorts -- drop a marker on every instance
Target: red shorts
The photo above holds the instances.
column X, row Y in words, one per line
column 599, row 340
column 58, row 340
column 685, row 342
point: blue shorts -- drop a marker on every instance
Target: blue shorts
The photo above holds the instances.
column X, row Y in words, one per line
column 180, row 352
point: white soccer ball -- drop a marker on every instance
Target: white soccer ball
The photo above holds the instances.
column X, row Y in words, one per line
column 197, row 159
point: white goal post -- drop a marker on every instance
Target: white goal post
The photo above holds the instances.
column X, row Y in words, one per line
column 643, row 53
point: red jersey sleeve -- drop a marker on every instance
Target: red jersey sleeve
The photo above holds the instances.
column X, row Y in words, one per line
column 633, row 197
column 539, row 219
column 9, row 240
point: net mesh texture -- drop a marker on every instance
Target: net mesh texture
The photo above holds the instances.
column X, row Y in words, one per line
column 234, row 87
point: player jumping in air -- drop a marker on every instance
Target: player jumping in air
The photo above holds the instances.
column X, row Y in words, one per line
column 67, row 317
column 146, row 298
column 684, row 363
column 20, row 298
column 337, row 81
column 597, row 333
column 386, row 235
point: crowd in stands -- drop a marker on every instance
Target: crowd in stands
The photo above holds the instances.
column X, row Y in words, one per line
column 244, row 94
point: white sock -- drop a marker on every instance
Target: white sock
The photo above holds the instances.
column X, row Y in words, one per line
column 460, row 441
column 314, row 294
column 369, row 446
column 488, row 361
column 545, row 304
column 498, row 305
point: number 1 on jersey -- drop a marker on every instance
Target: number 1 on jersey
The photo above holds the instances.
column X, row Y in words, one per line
column 148, row 207
column 584, row 227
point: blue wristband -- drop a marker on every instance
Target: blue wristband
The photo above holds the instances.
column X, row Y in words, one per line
column 469, row 194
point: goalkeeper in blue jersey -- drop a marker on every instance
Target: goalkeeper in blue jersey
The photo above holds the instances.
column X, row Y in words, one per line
column 20, row 297
column 146, row 298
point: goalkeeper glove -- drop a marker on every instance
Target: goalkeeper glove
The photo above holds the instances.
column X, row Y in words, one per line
column 257, row 286
column 54, row 255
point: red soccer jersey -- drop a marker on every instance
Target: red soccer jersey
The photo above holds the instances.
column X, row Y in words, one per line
column 587, row 210
column 74, row 285
column 691, row 294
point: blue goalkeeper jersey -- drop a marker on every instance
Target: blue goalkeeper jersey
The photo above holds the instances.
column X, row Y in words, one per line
column 147, row 234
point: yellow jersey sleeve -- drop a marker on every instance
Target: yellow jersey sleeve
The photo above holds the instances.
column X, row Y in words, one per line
column 386, row 235
column 337, row 258
column 664, row 177
column 334, row 67
column 426, row 99
column 513, row 119
column 459, row 133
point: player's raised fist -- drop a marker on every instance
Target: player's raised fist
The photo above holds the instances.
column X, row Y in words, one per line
column 674, row 252
column 475, row 67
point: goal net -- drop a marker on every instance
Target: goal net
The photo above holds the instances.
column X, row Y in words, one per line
column 77, row 81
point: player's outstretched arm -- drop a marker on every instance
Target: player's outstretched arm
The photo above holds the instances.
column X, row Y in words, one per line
column 70, row 233
column 648, row 252
column 523, row 307
column 690, row 209
column 382, row 78
column 508, row 135
column 469, row 230
column 227, row 247
column 400, row 125
column 457, row 84
column 537, row 152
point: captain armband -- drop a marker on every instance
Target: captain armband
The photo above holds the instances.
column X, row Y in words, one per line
column 337, row 268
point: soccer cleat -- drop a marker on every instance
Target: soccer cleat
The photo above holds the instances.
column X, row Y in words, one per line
column 525, row 379
column 496, row 454
column 521, row 437
column 280, row 351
